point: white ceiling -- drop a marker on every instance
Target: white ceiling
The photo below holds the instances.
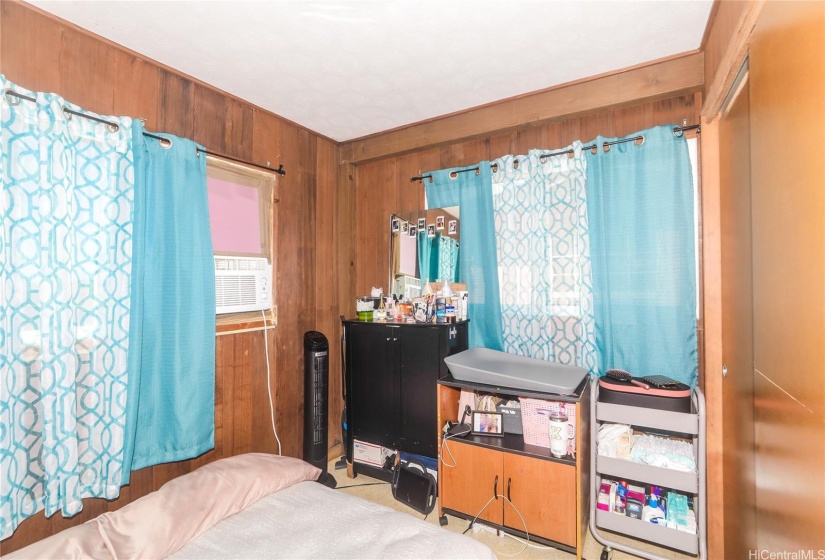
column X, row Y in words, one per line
column 350, row 68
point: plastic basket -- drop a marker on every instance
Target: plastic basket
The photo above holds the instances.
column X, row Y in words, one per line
column 535, row 425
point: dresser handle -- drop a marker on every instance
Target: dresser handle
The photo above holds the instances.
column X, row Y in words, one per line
column 495, row 488
column 509, row 480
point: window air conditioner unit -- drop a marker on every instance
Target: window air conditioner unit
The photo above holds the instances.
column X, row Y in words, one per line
column 242, row 284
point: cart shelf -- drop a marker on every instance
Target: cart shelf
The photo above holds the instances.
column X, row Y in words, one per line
column 672, row 538
column 623, row 469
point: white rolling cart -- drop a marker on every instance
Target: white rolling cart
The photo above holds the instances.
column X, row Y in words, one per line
column 693, row 484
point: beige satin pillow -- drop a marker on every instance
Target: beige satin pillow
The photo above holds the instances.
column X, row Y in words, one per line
column 160, row 523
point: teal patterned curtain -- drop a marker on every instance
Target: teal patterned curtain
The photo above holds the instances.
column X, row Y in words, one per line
column 544, row 257
column 447, row 258
column 65, row 267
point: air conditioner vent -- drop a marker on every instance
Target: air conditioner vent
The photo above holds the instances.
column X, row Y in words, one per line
column 242, row 284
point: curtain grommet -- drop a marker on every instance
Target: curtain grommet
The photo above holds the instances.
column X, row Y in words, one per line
column 166, row 143
column 453, row 175
column 11, row 98
column 67, row 114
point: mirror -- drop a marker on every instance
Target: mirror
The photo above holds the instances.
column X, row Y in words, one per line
column 424, row 247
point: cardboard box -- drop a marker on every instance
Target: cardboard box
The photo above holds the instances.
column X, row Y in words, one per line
column 370, row 453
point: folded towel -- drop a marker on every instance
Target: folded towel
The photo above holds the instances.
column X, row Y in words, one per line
column 615, row 440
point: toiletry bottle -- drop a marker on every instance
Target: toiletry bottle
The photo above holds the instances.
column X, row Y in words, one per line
column 620, row 506
column 612, row 497
column 652, row 513
column 446, row 290
column 381, row 313
column 450, row 311
column 440, row 310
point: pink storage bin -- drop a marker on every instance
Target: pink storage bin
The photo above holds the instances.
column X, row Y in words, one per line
column 535, row 425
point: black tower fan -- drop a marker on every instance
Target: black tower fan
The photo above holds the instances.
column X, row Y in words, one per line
column 316, row 404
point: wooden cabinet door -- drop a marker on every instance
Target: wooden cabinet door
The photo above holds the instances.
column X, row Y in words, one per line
column 418, row 362
column 470, row 484
column 544, row 493
column 372, row 384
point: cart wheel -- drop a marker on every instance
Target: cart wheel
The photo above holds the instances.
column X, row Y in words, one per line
column 442, row 520
column 607, row 554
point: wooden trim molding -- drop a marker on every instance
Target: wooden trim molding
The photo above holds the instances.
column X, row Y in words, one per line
column 711, row 283
column 721, row 79
column 656, row 80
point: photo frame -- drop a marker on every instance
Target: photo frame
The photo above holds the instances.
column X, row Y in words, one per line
column 431, row 230
column 452, row 227
column 396, row 225
column 421, row 224
column 487, row 423
column 413, row 231
column 439, row 222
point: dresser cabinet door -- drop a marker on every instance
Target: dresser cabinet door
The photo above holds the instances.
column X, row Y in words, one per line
column 373, row 384
column 418, row 358
column 470, row 484
column 544, row 493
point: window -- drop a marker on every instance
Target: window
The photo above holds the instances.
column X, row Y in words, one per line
column 241, row 216
column 240, row 209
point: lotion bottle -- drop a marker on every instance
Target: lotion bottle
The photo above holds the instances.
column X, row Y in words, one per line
column 652, row 513
column 446, row 290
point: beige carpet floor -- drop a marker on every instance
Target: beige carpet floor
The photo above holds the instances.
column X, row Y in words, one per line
column 503, row 546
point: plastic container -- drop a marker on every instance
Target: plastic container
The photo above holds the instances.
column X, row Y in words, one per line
column 536, row 425
column 493, row 367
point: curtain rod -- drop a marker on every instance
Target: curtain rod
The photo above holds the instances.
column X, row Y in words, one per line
column 114, row 127
column 678, row 131
column 164, row 141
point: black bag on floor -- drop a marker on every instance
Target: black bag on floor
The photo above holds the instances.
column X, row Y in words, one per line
column 414, row 486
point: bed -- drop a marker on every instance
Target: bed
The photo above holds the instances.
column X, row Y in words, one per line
column 253, row 506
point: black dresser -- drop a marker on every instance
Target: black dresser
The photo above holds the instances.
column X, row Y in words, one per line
column 391, row 374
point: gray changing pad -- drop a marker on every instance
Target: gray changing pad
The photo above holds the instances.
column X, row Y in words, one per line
column 482, row 365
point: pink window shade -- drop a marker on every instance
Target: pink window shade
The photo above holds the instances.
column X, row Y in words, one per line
column 234, row 216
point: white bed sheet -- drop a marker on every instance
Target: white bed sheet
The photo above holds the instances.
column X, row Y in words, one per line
column 308, row 520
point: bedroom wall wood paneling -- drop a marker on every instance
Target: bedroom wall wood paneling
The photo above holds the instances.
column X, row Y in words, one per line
column 42, row 53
